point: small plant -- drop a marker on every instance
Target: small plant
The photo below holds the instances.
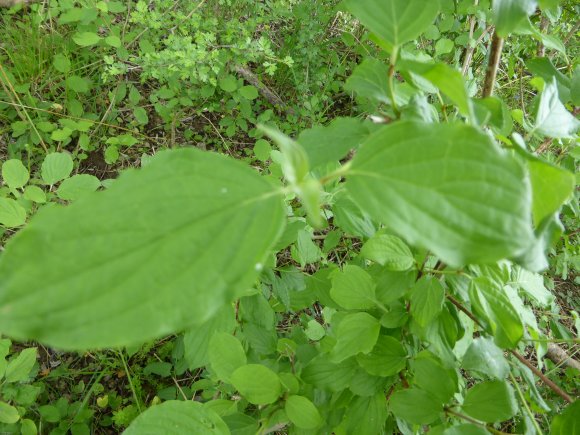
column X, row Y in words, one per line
column 373, row 275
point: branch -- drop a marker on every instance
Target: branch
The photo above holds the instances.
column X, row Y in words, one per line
column 524, row 361
column 493, row 64
column 268, row 94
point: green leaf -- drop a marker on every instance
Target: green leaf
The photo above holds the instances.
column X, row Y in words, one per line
column 332, row 143
column 302, row 412
column 353, row 288
column 86, row 39
column 416, row 406
column 77, row 186
column 177, row 418
column 326, row 375
column 12, row 214
column 61, row 134
column 228, row 83
column 61, row 63
column 257, row 383
column 19, row 368
column 395, row 21
column 466, row 429
column 200, row 232
column 366, row 415
column 483, row 356
column 370, row 80
column 35, row 194
column 444, row 46
column 553, row 119
column 226, row 354
column 551, row 187
column 445, row 187
column 349, row 217
column 113, row 41
column 356, row 333
column 575, row 87
column 533, row 285
column 448, row 80
column 295, row 165
column 432, row 376
column 56, row 167
column 140, row 115
column 387, row 358
column 28, row 427
column 8, row 414
column 490, row 302
column 388, row 251
column 196, row 339
column 427, row 298
column 510, row 15
column 248, row 92
column 15, row 174
column 490, row 402
column 262, row 149
column 494, row 112
column 78, row 84
column 308, row 251
column 567, row 422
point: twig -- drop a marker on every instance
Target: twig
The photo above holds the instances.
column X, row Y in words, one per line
column 544, row 23
column 492, row 65
column 470, row 50
column 523, row 360
column 543, row 377
column 13, row 95
column 266, row 92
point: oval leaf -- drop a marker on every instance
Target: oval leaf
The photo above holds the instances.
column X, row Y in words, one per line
column 444, row 187
column 257, row 383
column 416, row 406
column 56, row 167
column 15, row 174
column 177, row 418
column 226, row 354
column 490, row 402
column 388, row 251
column 302, row 412
column 395, row 21
column 162, row 249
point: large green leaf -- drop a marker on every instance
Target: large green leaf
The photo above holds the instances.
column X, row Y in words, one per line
column 432, row 376
column 387, row 358
column 388, row 251
column 15, row 174
column 510, row 15
column 257, row 383
column 356, row 333
column 416, row 406
column 162, row 249
column 353, row 288
column 302, row 412
column 427, row 298
column 326, row 375
column 448, row 80
column 490, row 302
column 370, row 80
column 490, row 402
column 567, row 422
column 553, row 119
column 226, row 354
column 366, row 415
column 176, row 418
column 332, row 142
column 395, row 21
column 483, row 356
column 551, row 187
column 446, row 187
